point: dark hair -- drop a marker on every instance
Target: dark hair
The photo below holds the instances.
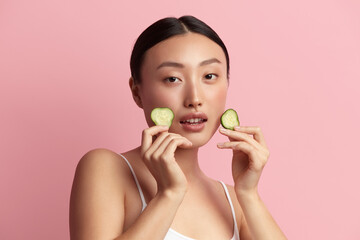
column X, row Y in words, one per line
column 164, row 29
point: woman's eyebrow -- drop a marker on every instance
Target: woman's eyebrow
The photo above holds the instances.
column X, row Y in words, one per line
column 179, row 65
column 170, row 64
column 209, row 61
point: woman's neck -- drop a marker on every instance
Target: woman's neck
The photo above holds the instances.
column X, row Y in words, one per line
column 189, row 164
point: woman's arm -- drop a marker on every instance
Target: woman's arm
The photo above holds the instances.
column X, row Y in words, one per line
column 155, row 220
column 97, row 205
column 250, row 155
column 259, row 221
column 158, row 156
column 97, row 197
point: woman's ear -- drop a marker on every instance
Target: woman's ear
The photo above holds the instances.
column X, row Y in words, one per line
column 135, row 92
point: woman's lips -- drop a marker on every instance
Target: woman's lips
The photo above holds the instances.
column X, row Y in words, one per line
column 193, row 122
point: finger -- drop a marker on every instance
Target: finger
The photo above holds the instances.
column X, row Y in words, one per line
column 160, row 144
column 236, row 136
column 174, row 144
column 167, row 157
column 156, row 143
column 168, row 139
column 257, row 159
column 147, row 136
column 254, row 130
column 159, row 148
column 161, row 138
column 242, row 146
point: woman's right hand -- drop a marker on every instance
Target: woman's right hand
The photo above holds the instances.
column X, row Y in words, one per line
column 159, row 156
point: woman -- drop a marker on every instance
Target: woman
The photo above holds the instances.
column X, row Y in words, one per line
column 158, row 191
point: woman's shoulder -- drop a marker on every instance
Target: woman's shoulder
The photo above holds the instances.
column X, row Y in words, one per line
column 102, row 165
column 237, row 207
column 98, row 155
column 103, row 157
column 98, row 193
column 99, row 159
column 233, row 196
column 231, row 190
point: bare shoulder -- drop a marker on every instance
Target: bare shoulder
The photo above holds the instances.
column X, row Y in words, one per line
column 240, row 218
column 232, row 194
column 236, row 204
column 97, row 161
column 97, row 195
column 100, row 166
column 99, row 155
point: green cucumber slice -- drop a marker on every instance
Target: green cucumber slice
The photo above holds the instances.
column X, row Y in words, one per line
column 162, row 116
column 229, row 119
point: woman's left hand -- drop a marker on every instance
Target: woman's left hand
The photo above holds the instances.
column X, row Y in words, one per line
column 250, row 155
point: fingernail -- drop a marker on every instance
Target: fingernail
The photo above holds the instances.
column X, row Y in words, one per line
column 237, row 128
column 223, row 130
column 220, row 144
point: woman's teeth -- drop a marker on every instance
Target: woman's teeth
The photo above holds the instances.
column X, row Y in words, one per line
column 194, row 121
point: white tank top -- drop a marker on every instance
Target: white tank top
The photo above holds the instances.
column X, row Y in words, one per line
column 172, row 234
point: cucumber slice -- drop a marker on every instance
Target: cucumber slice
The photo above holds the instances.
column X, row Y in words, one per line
column 229, row 119
column 162, row 116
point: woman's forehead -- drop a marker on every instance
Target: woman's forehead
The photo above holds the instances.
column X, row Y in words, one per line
column 187, row 49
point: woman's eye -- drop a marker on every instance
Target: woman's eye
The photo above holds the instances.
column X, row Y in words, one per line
column 172, row 79
column 210, row 76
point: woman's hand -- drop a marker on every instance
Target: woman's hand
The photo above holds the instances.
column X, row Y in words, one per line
column 250, row 155
column 158, row 153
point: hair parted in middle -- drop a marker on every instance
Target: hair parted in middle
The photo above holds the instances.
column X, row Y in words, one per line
column 166, row 28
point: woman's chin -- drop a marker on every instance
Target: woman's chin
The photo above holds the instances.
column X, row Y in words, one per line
column 198, row 142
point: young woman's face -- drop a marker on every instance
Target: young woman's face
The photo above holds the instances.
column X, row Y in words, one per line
column 188, row 74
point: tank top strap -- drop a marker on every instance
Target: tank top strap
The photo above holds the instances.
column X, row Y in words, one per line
column 236, row 231
column 137, row 183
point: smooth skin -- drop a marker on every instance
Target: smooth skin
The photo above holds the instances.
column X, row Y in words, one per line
column 186, row 73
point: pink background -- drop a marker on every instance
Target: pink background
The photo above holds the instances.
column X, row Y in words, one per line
column 295, row 71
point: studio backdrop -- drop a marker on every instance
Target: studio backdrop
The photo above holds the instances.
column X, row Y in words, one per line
column 294, row 71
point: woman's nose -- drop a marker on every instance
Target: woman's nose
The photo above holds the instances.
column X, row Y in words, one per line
column 193, row 97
